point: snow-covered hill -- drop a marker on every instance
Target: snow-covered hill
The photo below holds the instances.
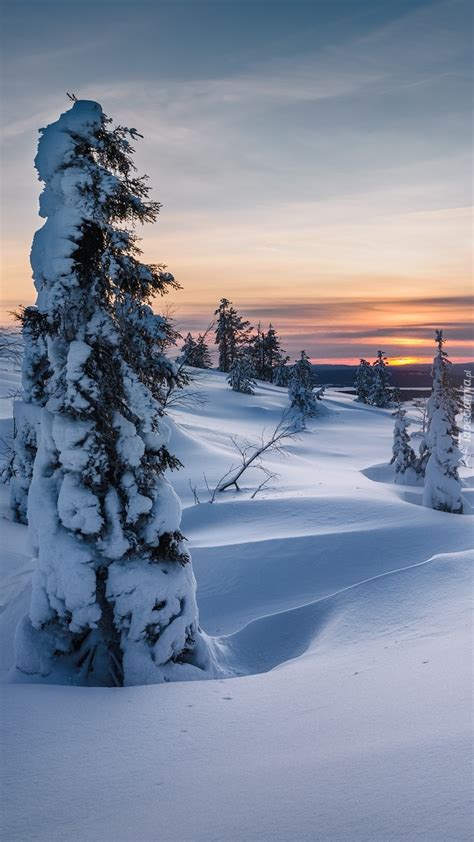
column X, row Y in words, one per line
column 344, row 611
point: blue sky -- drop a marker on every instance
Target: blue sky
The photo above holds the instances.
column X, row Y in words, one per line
column 306, row 153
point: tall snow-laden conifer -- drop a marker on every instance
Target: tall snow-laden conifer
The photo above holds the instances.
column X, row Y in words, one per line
column 443, row 394
column 363, row 381
column 440, row 454
column 113, row 589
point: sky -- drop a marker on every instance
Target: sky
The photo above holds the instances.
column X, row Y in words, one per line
column 313, row 157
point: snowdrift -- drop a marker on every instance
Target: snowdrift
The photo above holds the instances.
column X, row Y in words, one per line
column 344, row 618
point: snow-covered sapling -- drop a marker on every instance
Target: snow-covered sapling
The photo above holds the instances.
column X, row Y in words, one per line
column 202, row 354
column 241, row 375
column 363, row 381
column 301, row 387
column 403, row 455
column 442, row 483
column 114, row 595
column 281, row 374
column 380, row 393
column 188, row 350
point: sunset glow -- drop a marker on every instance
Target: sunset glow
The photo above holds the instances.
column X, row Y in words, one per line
column 320, row 190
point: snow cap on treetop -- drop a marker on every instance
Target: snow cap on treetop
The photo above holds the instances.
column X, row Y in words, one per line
column 82, row 120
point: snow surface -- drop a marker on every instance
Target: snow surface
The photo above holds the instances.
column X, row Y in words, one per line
column 344, row 609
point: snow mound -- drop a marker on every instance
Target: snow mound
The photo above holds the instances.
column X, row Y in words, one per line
column 343, row 616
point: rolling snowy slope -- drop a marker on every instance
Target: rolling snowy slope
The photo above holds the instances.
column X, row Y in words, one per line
column 344, row 612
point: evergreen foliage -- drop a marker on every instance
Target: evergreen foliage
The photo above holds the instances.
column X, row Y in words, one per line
column 440, row 455
column 380, row 392
column 301, row 387
column 363, row 381
column 232, row 334
column 195, row 352
column 403, row 455
column 113, row 588
column 241, row 375
column 265, row 353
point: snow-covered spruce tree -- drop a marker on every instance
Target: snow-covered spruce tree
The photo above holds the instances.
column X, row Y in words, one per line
column 282, row 372
column 202, row 354
column 380, row 392
column 232, row 334
column 440, row 455
column 241, row 375
column 273, row 354
column 443, row 394
column 188, row 351
column 265, row 353
column 363, row 381
column 442, row 483
column 195, row 352
column 403, row 455
column 301, row 387
column 26, row 412
column 113, row 594
column 256, row 351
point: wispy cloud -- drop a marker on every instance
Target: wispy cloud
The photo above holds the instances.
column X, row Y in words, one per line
column 342, row 168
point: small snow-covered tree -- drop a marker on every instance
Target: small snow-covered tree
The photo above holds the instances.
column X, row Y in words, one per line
column 403, row 455
column 113, row 593
column 440, row 455
column 273, row 354
column 202, row 354
column 380, row 392
column 282, row 372
column 442, row 483
column 256, row 352
column 232, row 334
column 443, row 395
column 188, row 351
column 301, row 387
column 363, row 381
column 265, row 353
column 241, row 375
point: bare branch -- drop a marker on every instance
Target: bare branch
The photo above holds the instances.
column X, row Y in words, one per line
column 251, row 455
column 11, row 345
column 195, row 494
column 269, row 476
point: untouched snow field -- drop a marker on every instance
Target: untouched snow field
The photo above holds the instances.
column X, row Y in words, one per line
column 345, row 612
